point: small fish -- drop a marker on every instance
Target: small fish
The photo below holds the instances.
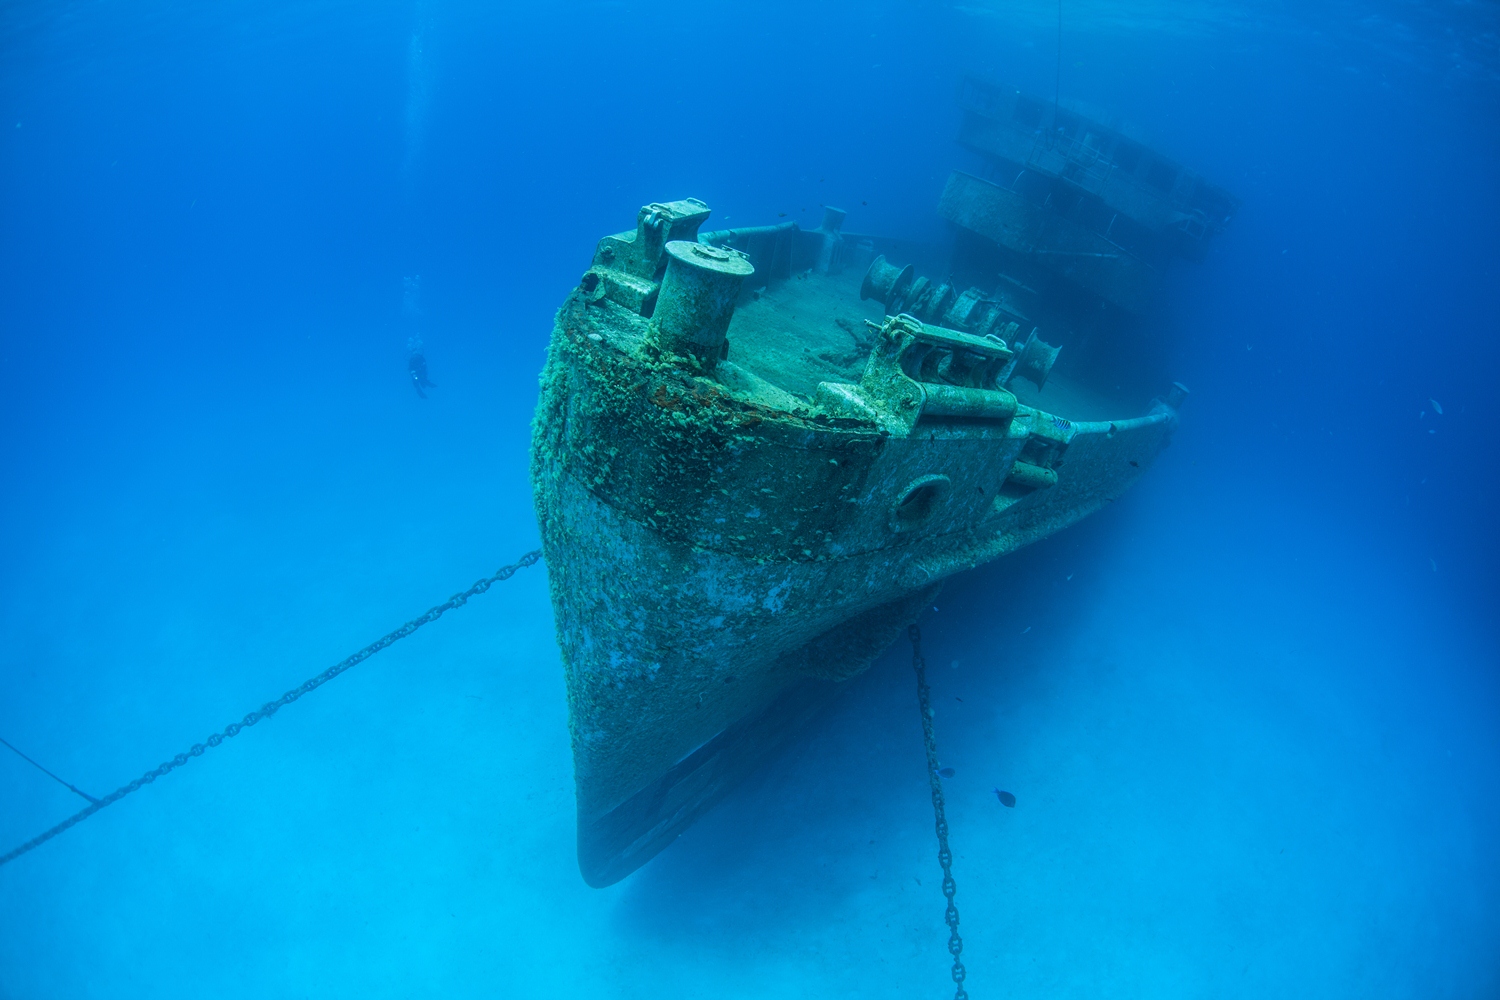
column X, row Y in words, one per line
column 1135, row 463
column 1436, row 407
column 1006, row 799
column 781, row 215
column 946, row 772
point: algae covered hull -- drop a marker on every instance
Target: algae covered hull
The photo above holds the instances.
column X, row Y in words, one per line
column 758, row 452
column 749, row 478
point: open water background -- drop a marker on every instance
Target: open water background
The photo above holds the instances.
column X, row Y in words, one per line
column 1250, row 712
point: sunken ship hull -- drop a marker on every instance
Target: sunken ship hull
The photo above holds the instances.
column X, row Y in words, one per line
column 740, row 511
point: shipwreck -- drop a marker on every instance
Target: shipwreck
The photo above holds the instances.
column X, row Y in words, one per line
column 759, row 452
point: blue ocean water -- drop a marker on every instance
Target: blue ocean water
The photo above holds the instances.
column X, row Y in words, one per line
column 1251, row 713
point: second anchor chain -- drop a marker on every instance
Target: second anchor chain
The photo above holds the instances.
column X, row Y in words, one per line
column 271, row 707
column 945, row 854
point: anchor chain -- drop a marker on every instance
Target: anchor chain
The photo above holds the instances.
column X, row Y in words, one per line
column 945, row 854
column 270, row 708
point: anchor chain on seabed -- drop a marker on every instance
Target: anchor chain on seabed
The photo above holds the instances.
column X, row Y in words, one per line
column 270, row 708
column 945, row 856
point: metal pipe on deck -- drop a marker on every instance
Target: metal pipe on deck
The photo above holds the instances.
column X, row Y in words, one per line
column 959, row 401
column 718, row 236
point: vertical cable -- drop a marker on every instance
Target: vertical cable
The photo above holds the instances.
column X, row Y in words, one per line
column 1057, row 81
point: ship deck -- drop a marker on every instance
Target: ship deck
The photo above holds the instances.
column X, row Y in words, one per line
column 812, row 329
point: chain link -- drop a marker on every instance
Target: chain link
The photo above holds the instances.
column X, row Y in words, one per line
column 945, row 855
column 270, row 708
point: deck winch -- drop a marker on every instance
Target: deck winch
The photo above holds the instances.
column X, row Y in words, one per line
column 973, row 311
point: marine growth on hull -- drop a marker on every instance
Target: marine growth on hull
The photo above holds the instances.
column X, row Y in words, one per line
column 757, row 454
